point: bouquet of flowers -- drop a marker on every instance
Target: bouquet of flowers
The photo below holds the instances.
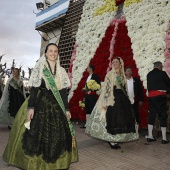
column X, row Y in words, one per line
column 91, row 85
column 82, row 104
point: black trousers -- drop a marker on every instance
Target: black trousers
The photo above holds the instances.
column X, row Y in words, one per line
column 158, row 105
column 136, row 112
column 90, row 101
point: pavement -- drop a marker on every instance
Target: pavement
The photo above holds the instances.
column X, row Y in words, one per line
column 97, row 155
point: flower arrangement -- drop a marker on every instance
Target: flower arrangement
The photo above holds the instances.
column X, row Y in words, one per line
column 109, row 6
column 119, row 2
column 138, row 40
column 130, row 2
column 91, row 85
column 71, row 62
column 100, row 61
column 167, row 51
column 112, row 42
column 147, row 32
column 89, row 35
column 122, row 48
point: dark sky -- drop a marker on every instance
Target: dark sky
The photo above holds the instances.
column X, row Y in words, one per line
column 18, row 38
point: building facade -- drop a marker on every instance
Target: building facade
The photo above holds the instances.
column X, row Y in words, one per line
column 50, row 20
column 58, row 23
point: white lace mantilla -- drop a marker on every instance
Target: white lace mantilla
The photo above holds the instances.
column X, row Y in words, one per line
column 61, row 78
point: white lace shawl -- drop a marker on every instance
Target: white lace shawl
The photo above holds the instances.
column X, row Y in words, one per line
column 107, row 97
column 61, row 78
column 5, row 91
column 4, row 102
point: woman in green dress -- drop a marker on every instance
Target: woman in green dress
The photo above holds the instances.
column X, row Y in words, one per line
column 42, row 137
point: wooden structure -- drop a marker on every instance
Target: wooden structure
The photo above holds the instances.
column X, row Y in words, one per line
column 69, row 30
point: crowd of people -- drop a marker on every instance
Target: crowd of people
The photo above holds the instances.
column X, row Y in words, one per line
column 42, row 133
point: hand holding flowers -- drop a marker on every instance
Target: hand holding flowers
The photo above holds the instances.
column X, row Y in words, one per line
column 91, row 85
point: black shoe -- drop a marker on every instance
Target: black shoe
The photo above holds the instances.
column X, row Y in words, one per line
column 151, row 140
column 165, row 141
column 115, row 146
column 9, row 127
column 83, row 127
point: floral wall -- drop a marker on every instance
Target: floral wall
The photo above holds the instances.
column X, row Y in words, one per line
column 147, row 24
column 140, row 37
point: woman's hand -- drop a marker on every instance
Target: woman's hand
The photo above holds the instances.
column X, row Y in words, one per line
column 30, row 114
column 68, row 114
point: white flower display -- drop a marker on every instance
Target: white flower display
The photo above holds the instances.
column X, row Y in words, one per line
column 147, row 26
column 90, row 33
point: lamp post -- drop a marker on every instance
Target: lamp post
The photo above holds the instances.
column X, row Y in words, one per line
column 40, row 6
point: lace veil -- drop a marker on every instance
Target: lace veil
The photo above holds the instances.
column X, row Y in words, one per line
column 107, row 97
column 61, row 77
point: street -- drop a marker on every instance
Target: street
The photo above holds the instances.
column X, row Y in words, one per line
column 97, row 155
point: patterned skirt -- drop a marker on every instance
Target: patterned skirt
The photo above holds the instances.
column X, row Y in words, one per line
column 120, row 117
column 48, row 144
column 49, row 133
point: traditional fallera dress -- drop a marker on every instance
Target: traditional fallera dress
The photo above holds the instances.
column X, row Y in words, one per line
column 12, row 98
column 117, row 122
column 49, row 142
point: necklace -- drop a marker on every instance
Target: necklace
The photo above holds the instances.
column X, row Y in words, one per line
column 51, row 69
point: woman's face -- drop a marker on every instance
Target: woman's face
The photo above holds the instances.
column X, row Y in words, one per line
column 52, row 53
column 116, row 64
column 15, row 73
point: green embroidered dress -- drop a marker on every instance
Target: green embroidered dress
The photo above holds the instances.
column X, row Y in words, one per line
column 50, row 143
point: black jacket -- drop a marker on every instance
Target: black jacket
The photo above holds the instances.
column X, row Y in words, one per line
column 158, row 80
column 138, row 91
column 96, row 78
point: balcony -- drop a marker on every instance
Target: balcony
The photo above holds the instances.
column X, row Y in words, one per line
column 52, row 17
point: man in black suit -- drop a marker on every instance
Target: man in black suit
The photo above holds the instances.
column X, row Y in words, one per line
column 158, row 83
column 135, row 92
column 90, row 96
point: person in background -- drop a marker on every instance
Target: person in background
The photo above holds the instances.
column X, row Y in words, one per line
column 12, row 98
column 90, row 96
column 42, row 136
column 158, row 83
column 135, row 92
